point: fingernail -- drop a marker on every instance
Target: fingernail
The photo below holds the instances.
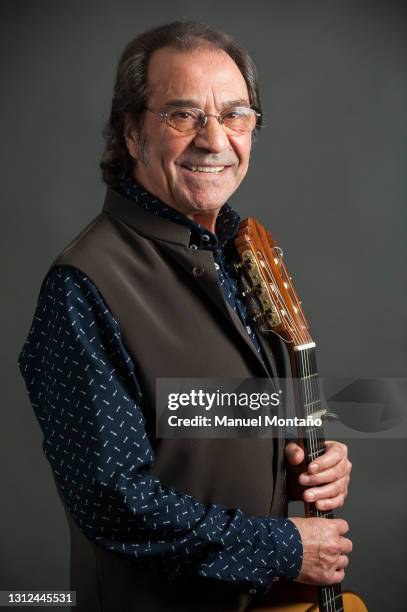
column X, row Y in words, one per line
column 311, row 495
column 313, row 467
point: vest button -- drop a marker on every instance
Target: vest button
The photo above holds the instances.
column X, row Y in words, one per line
column 252, row 592
column 197, row 272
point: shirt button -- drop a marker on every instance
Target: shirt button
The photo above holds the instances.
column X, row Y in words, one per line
column 217, row 266
column 248, row 329
column 252, row 591
column 205, row 237
column 193, row 246
column 198, row 272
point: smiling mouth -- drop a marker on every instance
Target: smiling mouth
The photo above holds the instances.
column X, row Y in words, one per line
column 205, row 169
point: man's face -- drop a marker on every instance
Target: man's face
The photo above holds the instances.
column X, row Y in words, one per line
column 208, row 79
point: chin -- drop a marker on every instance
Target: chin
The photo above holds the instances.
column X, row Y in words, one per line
column 208, row 201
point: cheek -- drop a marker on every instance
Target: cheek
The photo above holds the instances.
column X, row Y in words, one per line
column 242, row 146
column 171, row 148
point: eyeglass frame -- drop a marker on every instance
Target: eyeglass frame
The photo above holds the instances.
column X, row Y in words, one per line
column 164, row 117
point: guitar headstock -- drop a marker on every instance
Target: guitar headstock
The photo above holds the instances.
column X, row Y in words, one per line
column 268, row 286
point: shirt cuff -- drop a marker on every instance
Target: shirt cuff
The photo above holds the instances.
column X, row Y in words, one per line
column 263, row 550
column 286, row 561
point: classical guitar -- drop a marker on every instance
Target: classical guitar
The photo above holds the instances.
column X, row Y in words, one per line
column 275, row 308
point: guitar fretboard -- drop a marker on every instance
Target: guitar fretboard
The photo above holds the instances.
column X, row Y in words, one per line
column 309, row 403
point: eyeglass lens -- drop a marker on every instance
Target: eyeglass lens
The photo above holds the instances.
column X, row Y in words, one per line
column 239, row 119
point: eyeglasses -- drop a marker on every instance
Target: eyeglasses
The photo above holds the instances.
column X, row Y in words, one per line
column 235, row 120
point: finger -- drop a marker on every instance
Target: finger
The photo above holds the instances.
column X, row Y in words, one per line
column 338, row 576
column 341, row 525
column 346, row 545
column 328, row 491
column 334, row 577
column 332, row 503
column 335, row 453
column 342, row 562
column 341, row 469
column 329, row 475
column 294, row 453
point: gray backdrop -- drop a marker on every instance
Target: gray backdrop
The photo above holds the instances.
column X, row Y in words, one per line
column 326, row 176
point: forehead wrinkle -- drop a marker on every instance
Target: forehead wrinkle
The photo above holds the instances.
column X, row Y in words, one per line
column 168, row 85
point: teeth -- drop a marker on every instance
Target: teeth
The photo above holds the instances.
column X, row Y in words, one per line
column 206, row 168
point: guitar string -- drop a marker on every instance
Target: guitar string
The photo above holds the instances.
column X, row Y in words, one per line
column 327, row 592
column 306, row 371
column 309, row 366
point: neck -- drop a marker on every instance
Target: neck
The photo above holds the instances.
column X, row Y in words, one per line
column 207, row 220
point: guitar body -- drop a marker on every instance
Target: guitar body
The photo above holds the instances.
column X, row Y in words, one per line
column 351, row 603
column 297, row 597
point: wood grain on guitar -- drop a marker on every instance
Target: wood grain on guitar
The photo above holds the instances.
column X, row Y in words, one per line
column 275, row 308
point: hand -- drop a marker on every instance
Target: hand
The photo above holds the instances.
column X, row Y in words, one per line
column 324, row 550
column 326, row 479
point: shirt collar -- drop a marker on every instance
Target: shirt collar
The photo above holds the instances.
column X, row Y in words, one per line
column 227, row 221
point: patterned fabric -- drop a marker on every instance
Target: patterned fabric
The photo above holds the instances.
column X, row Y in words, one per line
column 84, row 391
column 220, row 243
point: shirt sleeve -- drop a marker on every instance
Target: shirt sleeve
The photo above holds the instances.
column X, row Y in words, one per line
column 85, row 394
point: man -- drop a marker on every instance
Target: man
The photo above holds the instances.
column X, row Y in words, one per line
column 146, row 291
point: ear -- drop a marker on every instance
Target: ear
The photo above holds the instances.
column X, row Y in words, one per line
column 130, row 136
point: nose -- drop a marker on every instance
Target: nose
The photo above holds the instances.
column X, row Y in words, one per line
column 212, row 136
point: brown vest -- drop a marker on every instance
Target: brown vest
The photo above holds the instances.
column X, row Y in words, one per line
column 175, row 323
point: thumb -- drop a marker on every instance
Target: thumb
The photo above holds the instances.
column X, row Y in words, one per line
column 294, row 453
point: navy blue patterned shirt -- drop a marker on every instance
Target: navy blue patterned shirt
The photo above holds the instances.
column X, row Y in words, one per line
column 84, row 390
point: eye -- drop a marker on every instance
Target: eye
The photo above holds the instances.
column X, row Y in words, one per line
column 235, row 113
column 182, row 114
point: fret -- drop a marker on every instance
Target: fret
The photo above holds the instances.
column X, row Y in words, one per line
column 313, row 431
column 321, row 513
column 316, row 453
column 337, row 596
column 317, row 401
column 326, row 600
column 308, row 376
column 314, row 447
column 309, row 395
column 307, row 391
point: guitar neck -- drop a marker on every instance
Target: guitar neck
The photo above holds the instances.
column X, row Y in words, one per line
column 308, row 397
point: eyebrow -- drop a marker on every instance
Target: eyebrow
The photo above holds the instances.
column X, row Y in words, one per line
column 195, row 104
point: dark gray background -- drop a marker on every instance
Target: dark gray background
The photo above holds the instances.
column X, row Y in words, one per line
column 327, row 178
